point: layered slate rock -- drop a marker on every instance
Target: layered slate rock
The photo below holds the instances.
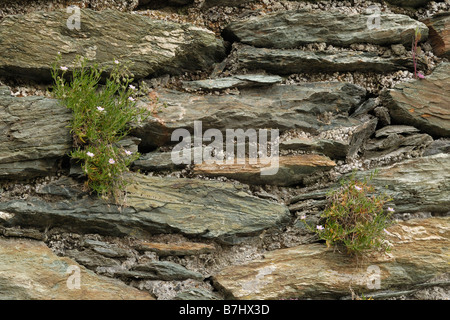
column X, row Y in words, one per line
column 236, row 81
column 159, row 270
column 312, row 107
column 35, row 135
column 31, row 271
column 290, row 29
column 415, row 185
column 395, row 140
column 208, row 209
column 281, row 171
column 424, row 103
column 152, row 46
column 175, row 249
column 419, row 253
column 288, row 61
column 439, row 26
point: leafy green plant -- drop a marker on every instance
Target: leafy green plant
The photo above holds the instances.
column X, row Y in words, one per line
column 355, row 218
column 101, row 118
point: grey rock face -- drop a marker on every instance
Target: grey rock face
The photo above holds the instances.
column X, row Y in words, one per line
column 207, row 209
column 152, row 46
column 419, row 253
column 237, row 81
column 34, row 136
column 423, row 103
column 313, row 107
column 290, row 29
column 288, row 61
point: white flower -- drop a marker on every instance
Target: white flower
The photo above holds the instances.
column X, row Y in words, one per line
column 319, row 227
column 132, row 87
column 116, row 61
column 390, row 209
column 303, row 217
column 100, row 109
column 90, row 154
column 130, row 98
column 64, row 68
column 128, row 153
column 358, row 188
column 111, row 161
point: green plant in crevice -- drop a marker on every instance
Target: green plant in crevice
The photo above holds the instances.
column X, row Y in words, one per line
column 101, row 118
column 355, row 218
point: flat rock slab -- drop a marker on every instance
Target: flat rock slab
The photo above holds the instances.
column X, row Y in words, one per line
column 424, row 103
column 439, row 26
column 312, row 107
column 237, row 81
column 175, row 249
column 197, row 208
column 420, row 250
column 35, row 135
column 288, row 61
column 290, row 29
column 152, row 46
column 281, row 171
column 31, row 271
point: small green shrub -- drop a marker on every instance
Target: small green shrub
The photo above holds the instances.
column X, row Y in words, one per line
column 101, row 118
column 354, row 218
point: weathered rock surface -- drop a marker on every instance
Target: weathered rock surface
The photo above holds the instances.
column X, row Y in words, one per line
column 395, row 140
column 208, row 209
column 289, row 171
column 31, row 271
column 288, row 61
column 175, row 249
column 419, row 253
column 34, row 135
column 424, row 104
column 438, row 146
column 439, row 27
column 290, row 29
column 312, row 107
column 342, row 148
column 415, row 185
column 152, row 46
column 237, row 81
column 166, row 270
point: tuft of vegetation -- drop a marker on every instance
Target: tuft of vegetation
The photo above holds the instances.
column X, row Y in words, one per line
column 355, row 218
column 415, row 42
column 101, row 118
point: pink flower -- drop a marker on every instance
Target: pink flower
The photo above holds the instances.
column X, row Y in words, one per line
column 420, row 75
column 89, row 154
column 64, row 68
column 320, row 227
column 390, row 209
column 358, row 188
column 111, row 161
column 128, row 153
